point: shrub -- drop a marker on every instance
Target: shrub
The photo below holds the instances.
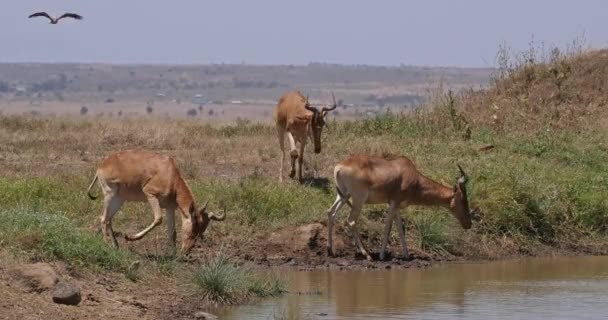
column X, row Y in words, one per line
column 222, row 282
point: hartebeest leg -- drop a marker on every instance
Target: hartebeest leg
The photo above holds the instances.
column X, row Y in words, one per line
column 301, row 160
column 357, row 205
column 112, row 204
column 401, row 230
column 393, row 210
column 158, row 218
column 171, row 234
column 281, row 133
column 293, row 152
column 331, row 217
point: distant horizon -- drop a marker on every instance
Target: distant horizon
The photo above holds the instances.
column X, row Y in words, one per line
column 152, row 64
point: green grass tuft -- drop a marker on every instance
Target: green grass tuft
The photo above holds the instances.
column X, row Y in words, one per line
column 433, row 232
column 220, row 281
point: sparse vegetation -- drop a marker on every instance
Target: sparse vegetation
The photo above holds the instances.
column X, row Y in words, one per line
column 220, row 281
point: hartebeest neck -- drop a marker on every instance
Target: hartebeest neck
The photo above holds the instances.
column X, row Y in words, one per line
column 183, row 195
column 434, row 193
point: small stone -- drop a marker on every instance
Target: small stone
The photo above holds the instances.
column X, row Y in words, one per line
column 204, row 315
column 65, row 293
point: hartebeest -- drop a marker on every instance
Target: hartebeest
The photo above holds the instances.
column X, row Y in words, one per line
column 396, row 181
column 139, row 175
column 295, row 117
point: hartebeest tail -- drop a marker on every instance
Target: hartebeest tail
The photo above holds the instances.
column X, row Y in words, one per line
column 374, row 180
column 139, row 175
column 92, row 197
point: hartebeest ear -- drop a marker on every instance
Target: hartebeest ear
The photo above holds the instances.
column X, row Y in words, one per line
column 192, row 209
column 193, row 215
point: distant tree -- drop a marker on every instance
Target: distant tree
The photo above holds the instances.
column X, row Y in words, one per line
column 58, row 96
column 4, row 86
column 109, row 100
column 83, row 110
column 149, row 109
column 210, row 112
column 192, row 113
column 200, row 108
column 120, row 113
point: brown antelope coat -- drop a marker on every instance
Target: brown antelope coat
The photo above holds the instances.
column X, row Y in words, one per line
column 296, row 118
column 139, row 175
column 396, row 181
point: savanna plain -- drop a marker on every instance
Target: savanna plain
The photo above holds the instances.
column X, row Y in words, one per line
column 532, row 141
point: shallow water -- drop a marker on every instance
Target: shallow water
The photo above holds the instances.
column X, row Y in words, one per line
column 545, row 288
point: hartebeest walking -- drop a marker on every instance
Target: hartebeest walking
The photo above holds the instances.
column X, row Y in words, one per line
column 297, row 119
column 139, row 175
column 396, row 181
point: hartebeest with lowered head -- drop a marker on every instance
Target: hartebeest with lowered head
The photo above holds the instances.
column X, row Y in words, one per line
column 139, row 175
column 396, row 181
column 295, row 117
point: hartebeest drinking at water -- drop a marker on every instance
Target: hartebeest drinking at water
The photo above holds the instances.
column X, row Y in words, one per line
column 297, row 119
column 396, row 181
column 138, row 175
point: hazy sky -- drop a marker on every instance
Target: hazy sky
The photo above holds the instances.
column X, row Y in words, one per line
column 435, row 32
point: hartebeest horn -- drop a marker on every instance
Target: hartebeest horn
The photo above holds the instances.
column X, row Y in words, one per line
column 309, row 107
column 463, row 176
column 215, row 217
column 335, row 105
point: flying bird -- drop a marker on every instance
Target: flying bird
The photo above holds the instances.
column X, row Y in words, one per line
column 55, row 20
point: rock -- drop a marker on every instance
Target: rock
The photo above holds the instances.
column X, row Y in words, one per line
column 38, row 276
column 65, row 293
column 204, row 315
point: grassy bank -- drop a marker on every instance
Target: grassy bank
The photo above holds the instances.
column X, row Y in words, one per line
column 544, row 187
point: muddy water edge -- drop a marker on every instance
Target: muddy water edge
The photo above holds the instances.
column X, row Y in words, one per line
column 535, row 288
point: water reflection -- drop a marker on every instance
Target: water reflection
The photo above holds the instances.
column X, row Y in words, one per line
column 562, row 288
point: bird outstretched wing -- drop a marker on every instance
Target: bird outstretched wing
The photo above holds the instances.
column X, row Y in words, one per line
column 70, row 15
column 40, row 14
